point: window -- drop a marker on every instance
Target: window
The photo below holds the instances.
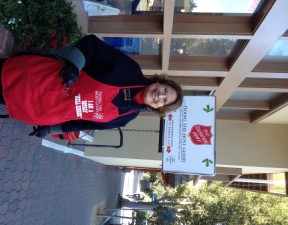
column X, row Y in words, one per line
column 280, row 48
column 135, row 46
column 202, row 47
column 217, row 6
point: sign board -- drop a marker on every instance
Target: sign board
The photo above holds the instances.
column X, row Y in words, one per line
column 189, row 137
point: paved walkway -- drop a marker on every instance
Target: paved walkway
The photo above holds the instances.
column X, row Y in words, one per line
column 42, row 186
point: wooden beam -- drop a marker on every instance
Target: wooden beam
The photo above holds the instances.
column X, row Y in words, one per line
column 261, row 42
column 262, row 89
column 276, row 64
column 275, row 105
column 211, row 24
column 228, row 170
column 224, row 174
column 264, row 83
column 167, row 30
column 257, row 181
column 286, row 180
column 273, row 75
column 233, row 178
column 131, row 24
column 251, row 105
column 195, row 82
column 196, row 179
column 187, row 73
column 233, row 116
column 217, row 177
column 270, row 186
column 148, row 61
column 209, row 63
column 258, row 17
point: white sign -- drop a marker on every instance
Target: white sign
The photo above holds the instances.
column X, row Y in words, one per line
column 189, row 137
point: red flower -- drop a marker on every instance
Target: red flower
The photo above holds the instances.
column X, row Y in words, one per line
column 53, row 34
column 64, row 40
column 29, row 42
column 53, row 43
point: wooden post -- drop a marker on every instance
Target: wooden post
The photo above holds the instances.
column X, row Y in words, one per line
column 286, row 182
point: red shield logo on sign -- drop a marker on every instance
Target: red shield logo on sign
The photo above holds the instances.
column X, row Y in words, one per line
column 201, row 135
column 168, row 149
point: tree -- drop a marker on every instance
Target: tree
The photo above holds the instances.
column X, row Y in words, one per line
column 216, row 204
column 219, row 205
column 213, row 205
column 163, row 210
column 202, row 47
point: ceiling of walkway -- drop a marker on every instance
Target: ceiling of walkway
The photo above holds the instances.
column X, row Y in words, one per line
column 241, row 57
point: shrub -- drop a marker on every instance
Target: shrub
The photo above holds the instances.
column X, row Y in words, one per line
column 39, row 25
column 151, row 176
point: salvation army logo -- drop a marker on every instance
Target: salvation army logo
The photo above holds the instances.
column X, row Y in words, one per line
column 201, row 135
column 98, row 116
column 168, row 149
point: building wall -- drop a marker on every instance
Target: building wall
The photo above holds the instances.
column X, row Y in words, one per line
column 82, row 17
column 138, row 146
column 253, row 147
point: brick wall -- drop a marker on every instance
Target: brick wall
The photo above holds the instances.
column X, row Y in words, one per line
column 7, row 42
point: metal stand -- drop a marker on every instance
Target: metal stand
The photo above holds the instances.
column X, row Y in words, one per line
column 160, row 132
column 102, row 146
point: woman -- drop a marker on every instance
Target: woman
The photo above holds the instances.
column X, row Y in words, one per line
column 93, row 86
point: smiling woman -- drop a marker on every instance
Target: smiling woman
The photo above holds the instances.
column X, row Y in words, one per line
column 89, row 86
column 163, row 95
column 157, row 95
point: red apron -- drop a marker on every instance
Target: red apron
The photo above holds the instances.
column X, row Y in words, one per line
column 34, row 94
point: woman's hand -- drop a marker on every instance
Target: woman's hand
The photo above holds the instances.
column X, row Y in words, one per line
column 40, row 131
column 69, row 74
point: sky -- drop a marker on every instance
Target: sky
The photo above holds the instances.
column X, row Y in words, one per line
column 280, row 48
column 239, row 6
column 226, row 6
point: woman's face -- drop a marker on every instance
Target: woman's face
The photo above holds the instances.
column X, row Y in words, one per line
column 157, row 95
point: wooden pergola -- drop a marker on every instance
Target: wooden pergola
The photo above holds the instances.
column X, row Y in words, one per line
column 249, row 85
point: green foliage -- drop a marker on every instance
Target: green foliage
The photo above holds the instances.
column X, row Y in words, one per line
column 277, row 187
column 219, row 205
column 141, row 216
column 160, row 189
column 148, row 191
column 216, row 204
column 151, row 176
column 202, row 47
column 162, row 215
column 40, row 25
column 185, row 189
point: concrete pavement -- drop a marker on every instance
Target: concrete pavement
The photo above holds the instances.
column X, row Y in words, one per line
column 40, row 185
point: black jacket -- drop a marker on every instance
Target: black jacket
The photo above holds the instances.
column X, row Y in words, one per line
column 110, row 66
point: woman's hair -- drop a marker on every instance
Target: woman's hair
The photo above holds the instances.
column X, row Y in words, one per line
column 162, row 79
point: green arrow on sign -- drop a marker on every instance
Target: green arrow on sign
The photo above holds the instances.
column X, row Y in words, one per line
column 207, row 162
column 208, row 109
